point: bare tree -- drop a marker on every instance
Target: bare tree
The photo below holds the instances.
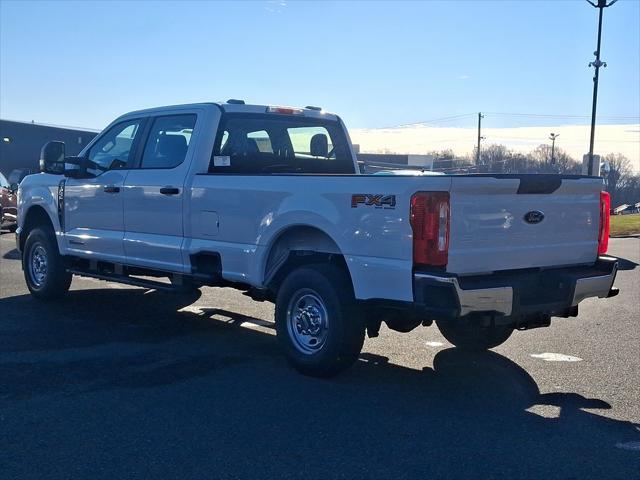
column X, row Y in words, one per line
column 620, row 174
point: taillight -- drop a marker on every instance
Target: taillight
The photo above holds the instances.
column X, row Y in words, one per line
column 603, row 234
column 430, row 224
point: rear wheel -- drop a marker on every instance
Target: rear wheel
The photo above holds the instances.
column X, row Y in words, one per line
column 474, row 337
column 44, row 271
column 317, row 322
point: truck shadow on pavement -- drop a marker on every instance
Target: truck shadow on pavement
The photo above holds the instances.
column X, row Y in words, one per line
column 625, row 264
column 192, row 382
column 12, row 255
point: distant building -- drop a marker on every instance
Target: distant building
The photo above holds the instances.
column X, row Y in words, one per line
column 20, row 143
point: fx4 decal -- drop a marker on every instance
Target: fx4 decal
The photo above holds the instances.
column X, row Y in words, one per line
column 373, row 200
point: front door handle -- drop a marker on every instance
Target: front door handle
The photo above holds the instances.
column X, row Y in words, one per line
column 112, row 189
column 169, row 191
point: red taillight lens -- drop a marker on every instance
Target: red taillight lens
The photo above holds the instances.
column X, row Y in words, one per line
column 605, row 210
column 430, row 224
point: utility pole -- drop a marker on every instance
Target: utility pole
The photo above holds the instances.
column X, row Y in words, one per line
column 480, row 117
column 601, row 5
column 552, row 137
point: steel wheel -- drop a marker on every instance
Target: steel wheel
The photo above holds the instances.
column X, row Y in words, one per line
column 307, row 321
column 38, row 265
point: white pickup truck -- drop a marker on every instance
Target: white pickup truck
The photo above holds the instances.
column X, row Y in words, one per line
column 270, row 200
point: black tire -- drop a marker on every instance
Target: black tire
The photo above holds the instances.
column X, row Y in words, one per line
column 469, row 336
column 340, row 341
column 52, row 282
column 12, row 228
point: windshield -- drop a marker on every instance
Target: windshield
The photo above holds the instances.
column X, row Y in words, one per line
column 272, row 143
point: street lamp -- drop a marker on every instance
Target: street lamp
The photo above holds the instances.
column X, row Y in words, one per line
column 601, row 4
column 552, row 137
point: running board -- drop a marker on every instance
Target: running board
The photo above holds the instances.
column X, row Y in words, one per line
column 137, row 282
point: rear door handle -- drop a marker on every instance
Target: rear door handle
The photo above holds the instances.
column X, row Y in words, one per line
column 112, row 189
column 169, row 191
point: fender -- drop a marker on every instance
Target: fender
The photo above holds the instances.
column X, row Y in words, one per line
column 43, row 190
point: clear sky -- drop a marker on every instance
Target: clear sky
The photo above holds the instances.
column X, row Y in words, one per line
column 378, row 64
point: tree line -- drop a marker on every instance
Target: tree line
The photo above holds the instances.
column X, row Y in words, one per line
column 621, row 181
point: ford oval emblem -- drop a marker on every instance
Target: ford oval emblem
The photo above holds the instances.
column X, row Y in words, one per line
column 534, row 216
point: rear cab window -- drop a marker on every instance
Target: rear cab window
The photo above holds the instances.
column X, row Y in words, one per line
column 253, row 144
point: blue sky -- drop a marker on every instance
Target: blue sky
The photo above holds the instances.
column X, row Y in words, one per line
column 378, row 63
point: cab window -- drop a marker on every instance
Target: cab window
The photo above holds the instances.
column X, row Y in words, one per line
column 113, row 149
column 268, row 143
column 168, row 141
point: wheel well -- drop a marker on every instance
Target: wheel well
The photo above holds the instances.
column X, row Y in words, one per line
column 36, row 216
column 297, row 246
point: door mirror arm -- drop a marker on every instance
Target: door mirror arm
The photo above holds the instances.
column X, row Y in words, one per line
column 77, row 167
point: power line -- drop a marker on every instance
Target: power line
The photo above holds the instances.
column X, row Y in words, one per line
column 427, row 122
column 503, row 114
column 542, row 115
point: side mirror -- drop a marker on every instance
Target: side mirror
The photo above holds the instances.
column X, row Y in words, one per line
column 13, row 187
column 319, row 145
column 52, row 158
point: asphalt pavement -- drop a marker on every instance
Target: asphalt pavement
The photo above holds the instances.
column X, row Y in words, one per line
column 118, row 382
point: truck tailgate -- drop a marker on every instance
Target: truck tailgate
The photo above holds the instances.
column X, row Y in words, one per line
column 511, row 222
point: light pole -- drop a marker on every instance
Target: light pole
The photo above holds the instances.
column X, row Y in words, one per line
column 552, row 137
column 601, row 4
column 480, row 138
column 480, row 117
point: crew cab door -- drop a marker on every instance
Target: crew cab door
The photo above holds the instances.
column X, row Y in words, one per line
column 154, row 194
column 93, row 220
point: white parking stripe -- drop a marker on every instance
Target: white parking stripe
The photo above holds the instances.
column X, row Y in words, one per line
column 556, row 357
column 635, row 446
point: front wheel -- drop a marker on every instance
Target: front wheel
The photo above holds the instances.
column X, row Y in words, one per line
column 317, row 322
column 44, row 271
column 474, row 337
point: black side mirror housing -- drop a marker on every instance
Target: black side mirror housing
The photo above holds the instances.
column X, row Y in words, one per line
column 319, row 145
column 52, row 158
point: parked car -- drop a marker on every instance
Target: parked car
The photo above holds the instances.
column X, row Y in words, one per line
column 8, row 204
column 270, row 200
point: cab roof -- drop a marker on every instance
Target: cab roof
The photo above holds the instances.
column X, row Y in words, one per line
column 238, row 106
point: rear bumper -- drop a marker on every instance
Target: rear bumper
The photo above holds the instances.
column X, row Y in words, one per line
column 517, row 293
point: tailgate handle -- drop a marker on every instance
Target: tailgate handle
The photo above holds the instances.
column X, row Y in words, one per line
column 539, row 184
column 169, row 191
